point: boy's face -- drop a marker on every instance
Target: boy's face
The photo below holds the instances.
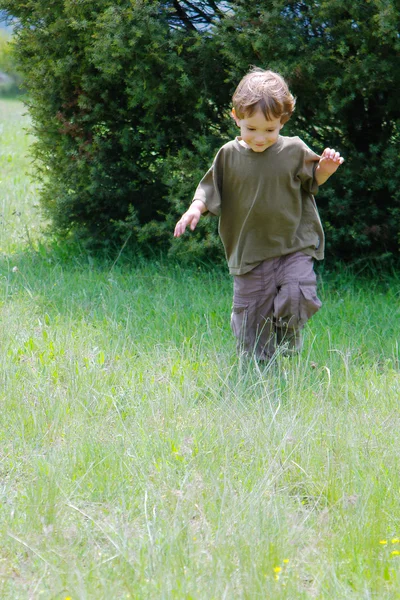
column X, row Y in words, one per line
column 258, row 133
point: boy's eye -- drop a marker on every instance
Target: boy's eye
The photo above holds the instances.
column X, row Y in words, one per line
column 267, row 130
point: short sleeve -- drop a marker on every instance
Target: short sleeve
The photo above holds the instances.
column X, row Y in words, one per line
column 210, row 187
column 307, row 165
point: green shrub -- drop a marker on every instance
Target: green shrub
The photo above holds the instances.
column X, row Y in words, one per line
column 129, row 101
column 116, row 94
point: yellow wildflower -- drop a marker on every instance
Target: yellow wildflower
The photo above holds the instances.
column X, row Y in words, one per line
column 395, row 541
column 383, row 542
column 395, row 552
column 277, row 569
column 286, row 560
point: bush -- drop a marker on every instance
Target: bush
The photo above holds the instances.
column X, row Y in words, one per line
column 130, row 100
column 116, row 95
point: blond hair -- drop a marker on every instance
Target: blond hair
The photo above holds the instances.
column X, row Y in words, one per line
column 264, row 90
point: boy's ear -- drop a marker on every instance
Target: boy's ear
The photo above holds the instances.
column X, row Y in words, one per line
column 235, row 118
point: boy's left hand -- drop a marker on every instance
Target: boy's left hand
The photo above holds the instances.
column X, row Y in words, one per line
column 330, row 161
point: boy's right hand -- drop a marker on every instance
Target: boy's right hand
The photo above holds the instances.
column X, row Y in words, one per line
column 190, row 218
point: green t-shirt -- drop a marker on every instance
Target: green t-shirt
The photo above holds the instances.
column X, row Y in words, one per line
column 265, row 202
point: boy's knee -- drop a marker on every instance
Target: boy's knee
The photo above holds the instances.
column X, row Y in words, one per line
column 295, row 304
column 252, row 326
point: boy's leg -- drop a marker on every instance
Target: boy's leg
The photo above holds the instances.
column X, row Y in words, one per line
column 296, row 301
column 252, row 319
column 291, row 341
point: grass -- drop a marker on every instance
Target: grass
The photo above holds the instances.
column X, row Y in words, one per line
column 141, row 459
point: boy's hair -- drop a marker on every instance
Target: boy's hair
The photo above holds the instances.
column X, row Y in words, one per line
column 267, row 91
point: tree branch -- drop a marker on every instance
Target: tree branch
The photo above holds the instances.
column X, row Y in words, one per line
column 184, row 17
column 199, row 12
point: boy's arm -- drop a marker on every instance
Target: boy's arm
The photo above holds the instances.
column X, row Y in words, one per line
column 190, row 218
column 329, row 162
column 207, row 197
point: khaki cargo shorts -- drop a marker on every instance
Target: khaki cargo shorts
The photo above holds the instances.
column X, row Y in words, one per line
column 272, row 303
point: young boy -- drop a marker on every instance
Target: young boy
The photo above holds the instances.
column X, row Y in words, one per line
column 261, row 185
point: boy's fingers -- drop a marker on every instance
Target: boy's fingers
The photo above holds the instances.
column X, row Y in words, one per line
column 183, row 223
column 337, row 158
column 331, row 154
column 179, row 228
column 190, row 218
column 194, row 222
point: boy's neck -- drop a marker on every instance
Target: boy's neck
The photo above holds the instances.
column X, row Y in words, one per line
column 243, row 143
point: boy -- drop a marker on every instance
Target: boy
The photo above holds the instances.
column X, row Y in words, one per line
column 261, row 185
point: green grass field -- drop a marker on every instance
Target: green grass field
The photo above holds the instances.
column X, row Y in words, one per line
column 141, row 459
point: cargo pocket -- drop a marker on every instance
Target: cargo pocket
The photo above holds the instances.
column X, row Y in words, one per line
column 309, row 301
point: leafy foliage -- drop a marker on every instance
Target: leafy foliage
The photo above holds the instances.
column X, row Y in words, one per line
column 130, row 100
column 115, row 92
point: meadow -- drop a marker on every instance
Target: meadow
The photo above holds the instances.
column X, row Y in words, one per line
column 140, row 458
